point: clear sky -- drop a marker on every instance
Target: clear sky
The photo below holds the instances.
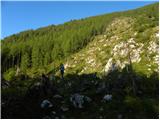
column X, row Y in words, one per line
column 20, row 15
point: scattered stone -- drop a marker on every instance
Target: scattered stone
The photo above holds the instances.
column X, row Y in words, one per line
column 157, row 35
column 64, row 108
column 101, row 40
column 148, row 65
column 107, row 97
column 46, row 104
column 37, row 84
column 122, row 50
column 135, row 33
column 78, row 100
column 53, row 112
column 153, row 47
column 104, row 45
column 57, row 96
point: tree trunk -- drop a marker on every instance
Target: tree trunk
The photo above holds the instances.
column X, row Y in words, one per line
column 18, row 59
column 131, row 72
column 12, row 61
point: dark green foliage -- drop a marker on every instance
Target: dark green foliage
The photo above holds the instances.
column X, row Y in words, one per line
column 37, row 48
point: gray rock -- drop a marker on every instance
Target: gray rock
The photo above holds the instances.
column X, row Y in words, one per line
column 64, row 108
column 53, row 112
column 57, row 96
column 46, row 104
column 37, row 84
column 79, row 100
column 107, row 97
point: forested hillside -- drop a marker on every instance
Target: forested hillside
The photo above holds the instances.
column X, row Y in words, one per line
column 110, row 62
column 41, row 47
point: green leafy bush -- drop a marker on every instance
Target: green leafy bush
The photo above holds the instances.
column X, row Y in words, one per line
column 10, row 74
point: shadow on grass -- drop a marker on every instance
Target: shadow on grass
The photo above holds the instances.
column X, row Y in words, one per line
column 118, row 83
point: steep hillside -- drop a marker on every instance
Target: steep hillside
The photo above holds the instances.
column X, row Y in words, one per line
column 36, row 49
column 119, row 42
column 111, row 68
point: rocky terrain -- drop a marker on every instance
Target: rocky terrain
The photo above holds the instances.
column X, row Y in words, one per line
column 113, row 76
column 114, row 47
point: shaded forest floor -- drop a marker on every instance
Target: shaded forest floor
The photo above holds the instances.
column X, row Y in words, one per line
column 23, row 98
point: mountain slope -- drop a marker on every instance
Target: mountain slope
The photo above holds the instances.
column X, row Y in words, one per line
column 56, row 43
column 111, row 68
column 114, row 45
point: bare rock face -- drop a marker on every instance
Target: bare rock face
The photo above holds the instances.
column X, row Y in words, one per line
column 121, row 54
column 153, row 49
column 110, row 66
column 128, row 48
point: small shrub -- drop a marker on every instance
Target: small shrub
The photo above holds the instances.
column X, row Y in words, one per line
column 9, row 75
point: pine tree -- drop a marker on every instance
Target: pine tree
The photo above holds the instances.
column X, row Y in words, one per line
column 25, row 61
column 47, row 59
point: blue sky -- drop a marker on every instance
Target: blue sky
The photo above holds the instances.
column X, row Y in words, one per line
column 20, row 15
